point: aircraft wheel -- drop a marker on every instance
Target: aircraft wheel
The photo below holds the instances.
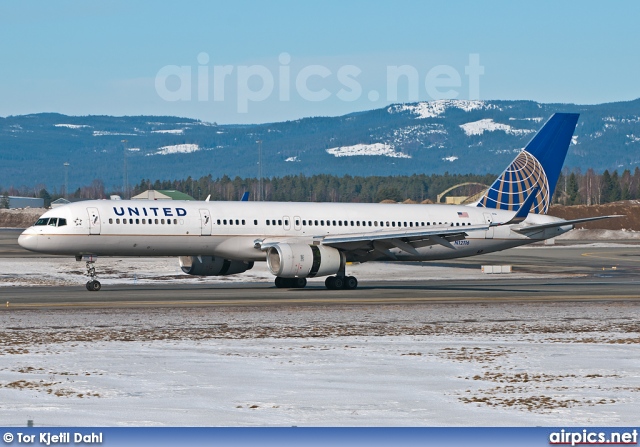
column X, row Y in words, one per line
column 299, row 283
column 94, row 286
column 88, row 285
column 280, row 282
column 330, row 282
column 338, row 282
column 350, row 282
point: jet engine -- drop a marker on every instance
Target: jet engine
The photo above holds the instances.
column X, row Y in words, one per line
column 303, row 261
column 212, row 266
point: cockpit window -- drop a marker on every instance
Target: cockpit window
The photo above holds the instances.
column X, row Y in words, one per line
column 51, row 221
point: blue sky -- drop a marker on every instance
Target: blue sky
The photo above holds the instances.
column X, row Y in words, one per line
column 287, row 60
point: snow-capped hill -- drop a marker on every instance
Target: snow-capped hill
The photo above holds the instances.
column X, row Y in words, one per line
column 479, row 127
column 367, row 149
column 433, row 109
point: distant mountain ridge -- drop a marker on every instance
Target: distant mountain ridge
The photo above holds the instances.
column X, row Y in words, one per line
column 457, row 136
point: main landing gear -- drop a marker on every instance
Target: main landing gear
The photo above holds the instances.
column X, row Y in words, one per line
column 93, row 285
column 290, row 283
column 341, row 282
column 332, row 283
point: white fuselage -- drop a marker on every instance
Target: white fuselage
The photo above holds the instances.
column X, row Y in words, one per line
column 236, row 230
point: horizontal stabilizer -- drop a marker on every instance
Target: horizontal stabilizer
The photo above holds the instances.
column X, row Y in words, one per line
column 562, row 223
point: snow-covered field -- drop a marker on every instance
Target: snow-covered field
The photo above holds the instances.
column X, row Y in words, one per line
column 422, row 365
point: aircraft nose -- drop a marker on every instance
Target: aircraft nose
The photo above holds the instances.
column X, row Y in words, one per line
column 28, row 241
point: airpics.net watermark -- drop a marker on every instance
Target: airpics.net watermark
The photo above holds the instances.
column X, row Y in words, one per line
column 314, row 83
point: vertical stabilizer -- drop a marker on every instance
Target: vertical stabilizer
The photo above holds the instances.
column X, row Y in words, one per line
column 537, row 166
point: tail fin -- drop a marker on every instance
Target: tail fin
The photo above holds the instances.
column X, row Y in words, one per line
column 537, row 166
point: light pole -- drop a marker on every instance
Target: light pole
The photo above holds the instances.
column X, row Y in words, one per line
column 125, row 179
column 66, row 180
column 259, row 170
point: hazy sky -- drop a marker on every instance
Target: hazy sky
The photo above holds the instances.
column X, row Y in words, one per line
column 263, row 61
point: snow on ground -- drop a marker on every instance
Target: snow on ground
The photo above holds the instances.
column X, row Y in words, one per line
column 171, row 131
column 367, row 149
column 479, row 127
column 422, row 365
column 72, row 126
column 102, row 133
column 177, row 149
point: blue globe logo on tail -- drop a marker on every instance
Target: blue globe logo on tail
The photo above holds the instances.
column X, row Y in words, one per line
column 537, row 166
column 515, row 184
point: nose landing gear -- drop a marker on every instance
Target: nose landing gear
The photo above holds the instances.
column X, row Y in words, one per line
column 93, row 285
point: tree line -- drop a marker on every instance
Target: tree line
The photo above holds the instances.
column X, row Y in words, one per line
column 573, row 188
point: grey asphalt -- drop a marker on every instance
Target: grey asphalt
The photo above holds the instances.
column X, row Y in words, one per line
column 607, row 273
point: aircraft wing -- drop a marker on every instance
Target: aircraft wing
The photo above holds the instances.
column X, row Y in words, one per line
column 561, row 223
column 403, row 238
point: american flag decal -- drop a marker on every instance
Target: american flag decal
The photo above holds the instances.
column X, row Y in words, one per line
column 465, row 214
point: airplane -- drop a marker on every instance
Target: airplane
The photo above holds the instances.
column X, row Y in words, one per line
column 300, row 240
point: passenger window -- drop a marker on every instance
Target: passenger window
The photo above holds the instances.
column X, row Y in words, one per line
column 117, row 221
column 218, row 221
column 357, row 223
column 137, row 221
column 273, row 221
column 298, row 222
column 131, row 221
column 162, row 221
column 156, row 221
column 279, row 221
column 286, row 222
column 110, row 221
column 255, row 221
column 375, row 223
column 316, row 223
column 144, row 221
column 322, row 223
column 230, row 222
column 237, row 222
column 334, row 223
column 224, row 221
column 243, row 222
column 168, row 221
column 340, row 223
column 267, row 221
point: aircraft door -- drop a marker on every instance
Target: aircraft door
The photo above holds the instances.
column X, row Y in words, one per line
column 297, row 223
column 488, row 218
column 205, row 222
column 94, row 220
column 286, row 223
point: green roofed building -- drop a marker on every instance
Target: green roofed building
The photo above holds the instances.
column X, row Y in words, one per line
column 164, row 194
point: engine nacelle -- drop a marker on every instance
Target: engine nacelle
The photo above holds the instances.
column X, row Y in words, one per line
column 304, row 261
column 212, row 266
